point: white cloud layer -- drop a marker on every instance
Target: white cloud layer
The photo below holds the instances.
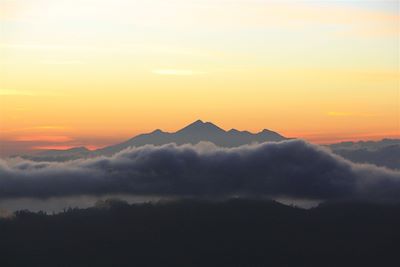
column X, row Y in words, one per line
column 290, row 168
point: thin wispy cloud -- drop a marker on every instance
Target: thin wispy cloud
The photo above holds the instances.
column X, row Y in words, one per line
column 42, row 46
column 62, row 62
column 177, row 72
column 11, row 92
column 350, row 114
column 35, row 128
column 290, row 14
column 15, row 92
column 43, row 138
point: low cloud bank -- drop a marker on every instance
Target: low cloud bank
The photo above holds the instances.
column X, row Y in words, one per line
column 290, row 168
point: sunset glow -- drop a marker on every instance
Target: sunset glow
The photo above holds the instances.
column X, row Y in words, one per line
column 92, row 73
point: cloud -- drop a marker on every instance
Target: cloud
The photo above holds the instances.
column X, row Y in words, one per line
column 349, row 114
column 43, row 46
column 44, row 138
column 13, row 92
column 10, row 92
column 176, row 72
column 62, row 62
column 290, row 168
column 357, row 18
column 339, row 114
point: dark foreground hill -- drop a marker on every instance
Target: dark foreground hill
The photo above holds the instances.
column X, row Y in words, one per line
column 202, row 233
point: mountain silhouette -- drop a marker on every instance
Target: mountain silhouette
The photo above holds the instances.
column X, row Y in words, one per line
column 194, row 133
column 383, row 153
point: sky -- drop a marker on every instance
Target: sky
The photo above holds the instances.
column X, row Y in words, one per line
column 96, row 72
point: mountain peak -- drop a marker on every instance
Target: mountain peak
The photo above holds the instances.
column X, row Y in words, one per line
column 271, row 134
column 266, row 131
column 200, row 126
column 157, row 131
column 198, row 122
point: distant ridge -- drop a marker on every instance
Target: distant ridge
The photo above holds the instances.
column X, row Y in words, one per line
column 385, row 153
column 59, row 154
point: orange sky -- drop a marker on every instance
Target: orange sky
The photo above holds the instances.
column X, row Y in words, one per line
column 73, row 73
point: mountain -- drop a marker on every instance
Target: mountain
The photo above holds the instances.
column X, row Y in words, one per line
column 194, row 133
column 191, row 134
column 385, row 153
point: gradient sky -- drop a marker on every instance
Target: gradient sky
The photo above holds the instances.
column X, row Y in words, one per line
column 95, row 72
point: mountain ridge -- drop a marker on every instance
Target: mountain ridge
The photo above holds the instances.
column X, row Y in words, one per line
column 194, row 133
column 385, row 153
